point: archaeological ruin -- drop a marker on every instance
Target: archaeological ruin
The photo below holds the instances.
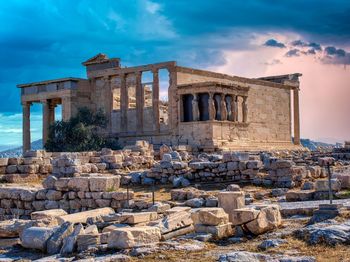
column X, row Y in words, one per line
column 204, row 110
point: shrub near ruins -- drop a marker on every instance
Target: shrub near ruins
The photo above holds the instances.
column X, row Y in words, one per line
column 80, row 133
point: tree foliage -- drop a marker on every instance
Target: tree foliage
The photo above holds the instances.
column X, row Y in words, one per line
column 82, row 132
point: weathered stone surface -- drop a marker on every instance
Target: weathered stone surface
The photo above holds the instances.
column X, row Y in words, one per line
column 52, row 213
column 104, row 184
column 70, row 242
column 82, row 217
column 13, row 228
column 141, row 217
column 243, row 215
column 328, row 232
column 268, row 219
column 220, row 231
column 269, row 243
column 302, row 195
column 129, row 237
column 244, row 256
column 322, row 185
column 79, row 184
column 4, row 161
column 173, row 221
column 36, row 237
column 84, row 241
column 230, row 201
column 212, row 216
column 55, row 242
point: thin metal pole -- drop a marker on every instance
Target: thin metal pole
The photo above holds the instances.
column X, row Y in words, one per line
column 329, row 184
column 153, row 193
column 127, row 194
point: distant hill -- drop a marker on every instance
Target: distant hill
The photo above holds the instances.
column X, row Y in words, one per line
column 313, row 145
column 16, row 152
column 38, row 144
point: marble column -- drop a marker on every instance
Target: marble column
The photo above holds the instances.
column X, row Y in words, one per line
column 110, row 99
column 46, row 120
column 223, row 108
column 26, row 126
column 124, row 103
column 139, row 102
column 155, row 100
column 245, row 110
column 296, row 117
column 52, row 107
column 212, row 111
column 66, row 108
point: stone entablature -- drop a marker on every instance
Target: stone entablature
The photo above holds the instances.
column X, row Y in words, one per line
column 204, row 109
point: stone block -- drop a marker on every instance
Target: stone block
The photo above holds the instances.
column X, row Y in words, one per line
column 344, row 179
column 141, row 217
column 268, row 219
column 230, row 201
column 322, row 185
column 303, row 195
column 84, row 241
column 36, row 237
column 79, row 184
column 212, row 216
column 129, row 237
column 53, row 195
column 50, row 183
column 243, row 215
column 82, row 217
column 12, row 169
column 173, row 221
column 218, row 232
column 70, row 242
column 55, row 242
column 4, row 161
column 104, row 184
column 53, row 213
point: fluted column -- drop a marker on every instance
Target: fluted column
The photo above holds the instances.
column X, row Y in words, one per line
column 66, row 108
column 52, row 107
column 124, row 104
column 212, row 112
column 245, row 110
column 223, row 108
column 46, row 120
column 110, row 100
column 155, row 100
column 296, row 117
column 139, row 102
column 26, row 126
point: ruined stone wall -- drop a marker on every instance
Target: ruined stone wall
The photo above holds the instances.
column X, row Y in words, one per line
column 269, row 114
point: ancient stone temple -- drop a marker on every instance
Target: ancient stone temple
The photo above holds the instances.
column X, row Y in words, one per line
column 205, row 110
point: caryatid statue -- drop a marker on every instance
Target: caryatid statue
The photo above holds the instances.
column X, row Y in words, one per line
column 212, row 111
column 235, row 109
column 245, row 110
column 195, row 109
column 223, row 108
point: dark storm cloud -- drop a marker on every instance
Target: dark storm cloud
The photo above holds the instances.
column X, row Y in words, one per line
column 293, row 52
column 47, row 39
column 274, row 43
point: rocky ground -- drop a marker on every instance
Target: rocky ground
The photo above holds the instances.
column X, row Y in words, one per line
column 128, row 206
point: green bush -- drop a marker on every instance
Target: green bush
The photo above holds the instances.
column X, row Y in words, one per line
column 81, row 133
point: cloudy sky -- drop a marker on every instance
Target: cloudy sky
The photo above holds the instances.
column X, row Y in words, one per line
column 46, row 39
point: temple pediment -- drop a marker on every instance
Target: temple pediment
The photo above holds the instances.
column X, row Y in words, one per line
column 97, row 59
